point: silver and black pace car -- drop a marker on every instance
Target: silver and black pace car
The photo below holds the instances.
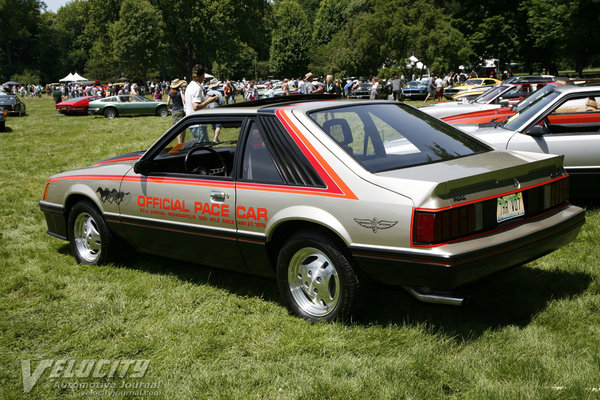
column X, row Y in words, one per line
column 322, row 195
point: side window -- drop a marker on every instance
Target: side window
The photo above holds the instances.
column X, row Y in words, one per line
column 578, row 105
column 258, row 165
column 579, row 115
column 185, row 154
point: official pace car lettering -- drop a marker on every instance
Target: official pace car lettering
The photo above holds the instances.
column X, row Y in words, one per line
column 203, row 211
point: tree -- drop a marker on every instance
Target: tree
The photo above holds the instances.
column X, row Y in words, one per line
column 290, row 40
column 20, row 24
column 136, row 37
column 73, row 44
column 564, row 30
column 329, row 20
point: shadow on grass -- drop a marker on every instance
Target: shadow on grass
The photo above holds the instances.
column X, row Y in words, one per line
column 511, row 298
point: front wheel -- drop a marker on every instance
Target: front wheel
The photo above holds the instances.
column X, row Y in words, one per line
column 316, row 278
column 91, row 240
column 162, row 111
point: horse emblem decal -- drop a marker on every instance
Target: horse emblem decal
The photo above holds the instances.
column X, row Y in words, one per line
column 375, row 224
column 111, row 196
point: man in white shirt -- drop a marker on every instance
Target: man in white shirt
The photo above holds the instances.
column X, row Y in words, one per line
column 439, row 88
column 196, row 100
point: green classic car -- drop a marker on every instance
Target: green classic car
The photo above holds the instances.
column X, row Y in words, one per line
column 126, row 104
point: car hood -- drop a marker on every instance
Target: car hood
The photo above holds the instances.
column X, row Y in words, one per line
column 447, row 109
column 129, row 158
column 495, row 137
column 70, row 102
column 473, row 177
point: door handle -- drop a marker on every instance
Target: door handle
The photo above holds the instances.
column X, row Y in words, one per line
column 218, row 196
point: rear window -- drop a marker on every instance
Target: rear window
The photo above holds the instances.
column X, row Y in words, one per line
column 384, row 136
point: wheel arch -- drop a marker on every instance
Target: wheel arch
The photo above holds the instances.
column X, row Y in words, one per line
column 284, row 226
column 82, row 193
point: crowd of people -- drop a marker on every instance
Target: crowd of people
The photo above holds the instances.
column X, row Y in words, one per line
column 250, row 90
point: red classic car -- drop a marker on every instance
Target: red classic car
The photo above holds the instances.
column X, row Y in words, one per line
column 77, row 105
column 500, row 113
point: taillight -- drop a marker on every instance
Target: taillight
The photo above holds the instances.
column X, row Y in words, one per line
column 556, row 193
column 431, row 227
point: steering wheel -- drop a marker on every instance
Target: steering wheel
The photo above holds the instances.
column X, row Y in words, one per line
column 221, row 170
column 545, row 124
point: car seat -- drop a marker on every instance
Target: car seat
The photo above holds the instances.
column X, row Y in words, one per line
column 339, row 130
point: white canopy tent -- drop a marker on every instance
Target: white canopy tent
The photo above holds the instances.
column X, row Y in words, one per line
column 68, row 78
column 78, row 78
column 72, row 78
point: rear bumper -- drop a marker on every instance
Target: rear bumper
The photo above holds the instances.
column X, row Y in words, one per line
column 487, row 255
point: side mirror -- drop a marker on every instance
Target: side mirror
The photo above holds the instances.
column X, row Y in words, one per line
column 536, row 131
column 142, row 166
column 503, row 102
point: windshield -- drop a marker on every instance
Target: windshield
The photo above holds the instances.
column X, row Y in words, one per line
column 491, row 94
column 523, row 115
column 383, row 137
column 137, row 97
column 533, row 97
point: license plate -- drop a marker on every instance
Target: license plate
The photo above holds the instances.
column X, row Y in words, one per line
column 510, row 206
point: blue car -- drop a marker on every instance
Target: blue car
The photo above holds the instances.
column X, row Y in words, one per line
column 415, row 90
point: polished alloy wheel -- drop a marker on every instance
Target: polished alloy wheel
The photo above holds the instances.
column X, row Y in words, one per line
column 314, row 282
column 87, row 238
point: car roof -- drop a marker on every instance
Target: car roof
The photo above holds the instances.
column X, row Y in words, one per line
column 305, row 103
column 577, row 88
column 276, row 102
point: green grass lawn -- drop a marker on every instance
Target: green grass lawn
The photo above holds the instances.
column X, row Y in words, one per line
column 530, row 333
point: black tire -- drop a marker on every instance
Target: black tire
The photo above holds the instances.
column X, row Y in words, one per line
column 316, row 278
column 162, row 111
column 91, row 241
column 110, row 112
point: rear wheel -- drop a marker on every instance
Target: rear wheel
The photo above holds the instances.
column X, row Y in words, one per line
column 316, row 278
column 162, row 111
column 91, row 240
column 110, row 113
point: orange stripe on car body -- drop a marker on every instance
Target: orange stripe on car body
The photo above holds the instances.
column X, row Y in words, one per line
column 335, row 185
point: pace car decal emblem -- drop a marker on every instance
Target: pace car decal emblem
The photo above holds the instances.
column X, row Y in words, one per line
column 111, row 196
column 375, row 224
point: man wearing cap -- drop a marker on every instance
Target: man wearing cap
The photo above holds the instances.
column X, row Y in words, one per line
column 308, row 87
column 196, row 100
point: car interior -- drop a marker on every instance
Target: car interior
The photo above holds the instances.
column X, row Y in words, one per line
column 576, row 115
